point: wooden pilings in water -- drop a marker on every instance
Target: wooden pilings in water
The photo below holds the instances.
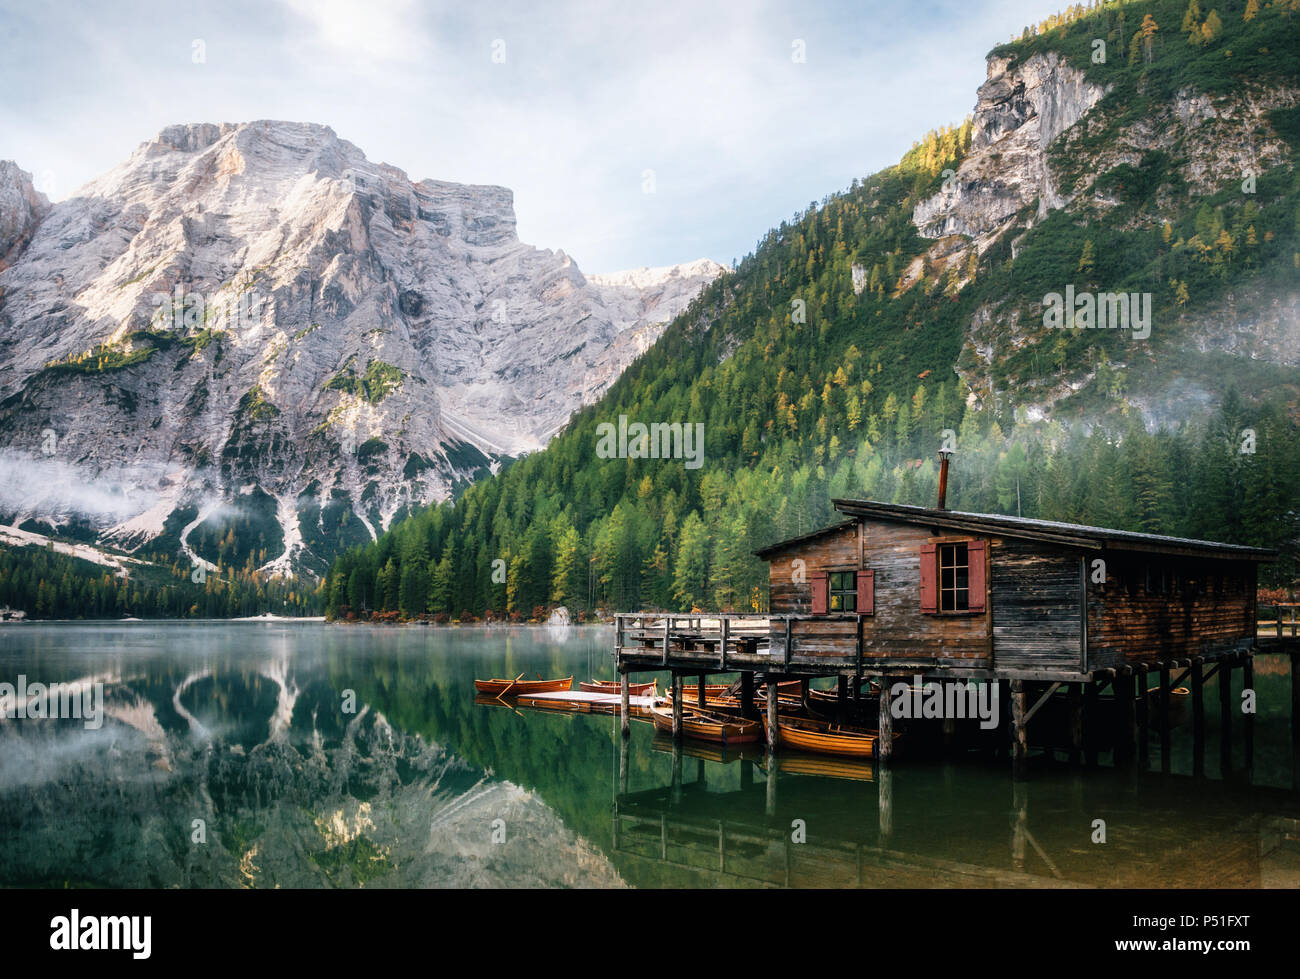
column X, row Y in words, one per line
column 677, row 706
column 885, row 724
column 773, row 733
column 1198, row 716
column 1225, row 714
column 624, row 694
column 747, row 694
column 1019, row 729
column 1075, row 697
column 701, row 696
column 1165, row 745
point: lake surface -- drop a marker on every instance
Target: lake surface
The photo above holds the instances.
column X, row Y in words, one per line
column 306, row 755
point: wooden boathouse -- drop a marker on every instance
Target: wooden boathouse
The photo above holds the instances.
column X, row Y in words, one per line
column 1043, row 609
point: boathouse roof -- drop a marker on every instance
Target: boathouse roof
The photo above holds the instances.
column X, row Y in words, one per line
column 1066, row 534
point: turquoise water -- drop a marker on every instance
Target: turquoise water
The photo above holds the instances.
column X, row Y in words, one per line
column 306, row 755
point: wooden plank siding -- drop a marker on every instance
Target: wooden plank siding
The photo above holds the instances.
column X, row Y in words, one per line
column 1035, row 591
column 1127, row 625
column 898, row 632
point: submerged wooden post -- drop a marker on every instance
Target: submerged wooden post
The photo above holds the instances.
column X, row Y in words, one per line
column 1143, row 713
column 678, row 693
column 1164, row 717
column 1075, row 698
column 1225, row 713
column 885, row 787
column 747, row 693
column 1198, row 716
column 841, row 697
column 1019, row 730
column 885, row 724
column 624, row 766
column 624, row 694
column 773, row 735
column 701, row 696
column 1090, row 716
column 1248, row 683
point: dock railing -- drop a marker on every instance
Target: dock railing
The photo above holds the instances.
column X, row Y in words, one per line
column 718, row 639
column 1284, row 624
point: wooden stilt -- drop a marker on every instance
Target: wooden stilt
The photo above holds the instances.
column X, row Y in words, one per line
column 625, row 711
column 1248, row 721
column 771, row 788
column 1019, row 825
column 949, row 728
column 803, row 692
column 701, row 697
column 885, row 724
column 624, row 765
column 1225, row 715
column 773, row 735
column 747, row 694
column 885, row 788
column 1143, row 714
column 1198, row 716
column 1019, row 731
column 1165, row 746
column 841, row 697
column 1075, row 698
column 678, row 755
column 1090, row 718
column 677, row 706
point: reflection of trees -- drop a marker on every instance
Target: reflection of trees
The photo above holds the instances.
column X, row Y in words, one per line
column 349, row 802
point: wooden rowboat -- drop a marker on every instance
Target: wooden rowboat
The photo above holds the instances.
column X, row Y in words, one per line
column 824, row 737
column 612, row 686
column 513, row 688
column 705, row 726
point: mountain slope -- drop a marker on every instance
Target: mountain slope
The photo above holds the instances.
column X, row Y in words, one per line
column 252, row 328
column 842, row 351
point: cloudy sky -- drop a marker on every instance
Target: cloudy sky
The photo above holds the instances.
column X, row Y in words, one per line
column 579, row 107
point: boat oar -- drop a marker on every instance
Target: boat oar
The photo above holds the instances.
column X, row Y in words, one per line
column 509, row 685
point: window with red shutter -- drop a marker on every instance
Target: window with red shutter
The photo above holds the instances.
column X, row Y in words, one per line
column 866, row 592
column 929, row 578
column 820, row 592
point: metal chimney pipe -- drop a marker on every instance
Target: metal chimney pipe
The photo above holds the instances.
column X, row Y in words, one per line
column 943, row 480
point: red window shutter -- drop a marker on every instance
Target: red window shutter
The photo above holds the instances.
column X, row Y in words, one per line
column 820, row 592
column 929, row 578
column 978, row 585
column 866, row 593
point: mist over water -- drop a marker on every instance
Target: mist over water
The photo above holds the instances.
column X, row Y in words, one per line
column 305, row 755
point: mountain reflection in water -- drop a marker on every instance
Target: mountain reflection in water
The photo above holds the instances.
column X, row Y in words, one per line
column 303, row 755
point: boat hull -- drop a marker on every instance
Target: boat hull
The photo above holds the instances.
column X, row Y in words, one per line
column 705, row 727
column 497, row 687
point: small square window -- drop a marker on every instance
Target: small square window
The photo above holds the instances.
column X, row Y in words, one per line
column 843, row 591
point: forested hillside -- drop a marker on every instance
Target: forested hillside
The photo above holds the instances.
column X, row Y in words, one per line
column 829, row 363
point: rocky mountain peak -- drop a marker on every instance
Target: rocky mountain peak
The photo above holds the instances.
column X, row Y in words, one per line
column 255, row 322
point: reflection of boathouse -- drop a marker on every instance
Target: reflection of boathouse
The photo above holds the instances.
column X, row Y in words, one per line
column 782, row 828
column 1049, row 611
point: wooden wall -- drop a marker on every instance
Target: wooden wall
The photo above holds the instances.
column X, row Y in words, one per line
column 1129, row 627
column 1035, row 595
column 838, row 549
column 1034, row 619
column 897, row 631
